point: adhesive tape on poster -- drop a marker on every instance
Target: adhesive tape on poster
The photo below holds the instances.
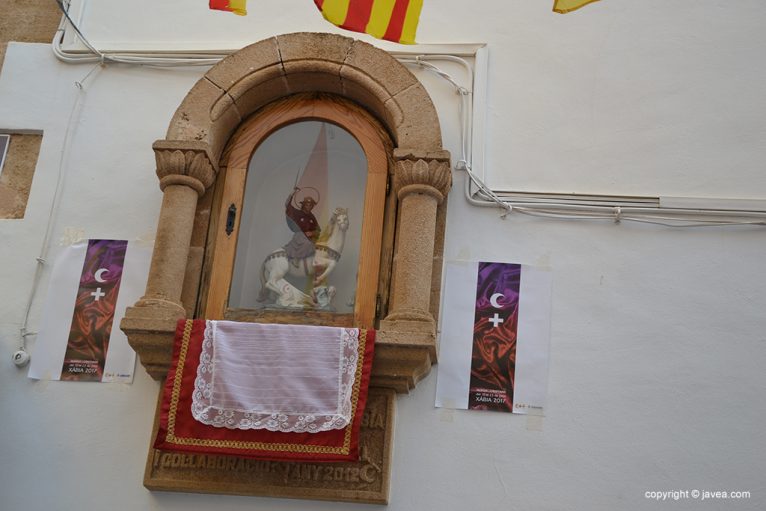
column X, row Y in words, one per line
column 71, row 236
column 534, row 420
column 447, row 413
column 145, row 240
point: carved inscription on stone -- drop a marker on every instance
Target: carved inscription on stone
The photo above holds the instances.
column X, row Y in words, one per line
column 366, row 480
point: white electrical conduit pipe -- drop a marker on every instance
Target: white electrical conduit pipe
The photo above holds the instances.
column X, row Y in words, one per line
column 484, row 196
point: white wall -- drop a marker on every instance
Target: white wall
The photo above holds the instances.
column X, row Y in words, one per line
column 658, row 343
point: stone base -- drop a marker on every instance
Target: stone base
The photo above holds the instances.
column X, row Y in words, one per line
column 150, row 326
column 365, row 481
column 400, row 367
column 405, row 350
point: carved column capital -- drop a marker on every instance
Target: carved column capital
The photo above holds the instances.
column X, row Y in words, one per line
column 431, row 176
column 184, row 163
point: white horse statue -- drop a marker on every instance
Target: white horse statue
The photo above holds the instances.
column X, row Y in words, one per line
column 276, row 290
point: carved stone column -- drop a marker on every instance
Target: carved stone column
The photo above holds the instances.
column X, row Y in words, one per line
column 185, row 172
column 421, row 181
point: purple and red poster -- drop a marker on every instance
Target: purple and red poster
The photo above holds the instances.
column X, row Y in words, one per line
column 493, row 358
column 495, row 330
column 91, row 285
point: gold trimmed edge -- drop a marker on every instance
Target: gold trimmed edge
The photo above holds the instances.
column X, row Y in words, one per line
column 262, row 446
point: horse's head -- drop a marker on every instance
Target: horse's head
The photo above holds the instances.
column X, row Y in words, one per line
column 340, row 218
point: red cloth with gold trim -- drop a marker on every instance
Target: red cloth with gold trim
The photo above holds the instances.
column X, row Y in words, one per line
column 179, row 431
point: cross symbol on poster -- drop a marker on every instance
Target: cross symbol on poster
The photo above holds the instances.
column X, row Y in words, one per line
column 495, row 320
column 98, row 294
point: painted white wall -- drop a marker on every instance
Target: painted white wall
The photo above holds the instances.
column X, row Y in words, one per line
column 658, row 343
column 622, row 98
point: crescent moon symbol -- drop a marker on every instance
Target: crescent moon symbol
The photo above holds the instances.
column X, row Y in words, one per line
column 494, row 298
column 100, row 272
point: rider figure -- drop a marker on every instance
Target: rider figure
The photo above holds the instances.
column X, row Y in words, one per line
column 304, row 225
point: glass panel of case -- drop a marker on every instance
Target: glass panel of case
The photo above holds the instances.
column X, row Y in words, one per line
column 299, row 237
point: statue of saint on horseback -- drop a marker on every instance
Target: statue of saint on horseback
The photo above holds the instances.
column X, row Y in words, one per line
column 307, row 255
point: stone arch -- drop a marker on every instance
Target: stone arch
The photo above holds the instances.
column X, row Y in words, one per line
column 188, row 161
column 280, row 66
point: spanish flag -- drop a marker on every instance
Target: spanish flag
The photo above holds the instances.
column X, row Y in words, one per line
column 564, row 6
column 392, row 20
column 236, row 6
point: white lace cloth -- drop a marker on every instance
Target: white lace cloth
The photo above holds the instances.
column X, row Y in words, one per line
column 292, row 378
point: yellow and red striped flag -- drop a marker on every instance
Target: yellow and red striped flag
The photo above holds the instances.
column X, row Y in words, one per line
column 564, row 6
column 392, row 20
column 236, row 6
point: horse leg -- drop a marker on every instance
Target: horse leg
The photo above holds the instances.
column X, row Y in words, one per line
column 265, row 293
column 290, row 296
column 326, row 270
column 318, row 266
column 275, row 275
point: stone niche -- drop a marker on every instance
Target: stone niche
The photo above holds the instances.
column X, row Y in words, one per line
column 192, row 162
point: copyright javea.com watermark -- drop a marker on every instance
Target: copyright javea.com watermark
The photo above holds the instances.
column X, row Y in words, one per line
column 700, row 495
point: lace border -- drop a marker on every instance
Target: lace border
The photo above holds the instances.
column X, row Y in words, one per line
column 291, row 422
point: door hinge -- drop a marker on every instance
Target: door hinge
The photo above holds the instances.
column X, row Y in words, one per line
column 388, row 184
column 378, row 305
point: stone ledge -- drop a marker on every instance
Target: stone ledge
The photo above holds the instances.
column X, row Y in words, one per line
column 402, row 356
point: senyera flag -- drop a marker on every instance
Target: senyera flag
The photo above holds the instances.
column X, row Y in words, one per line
column 564, row 6
column 236, row 6
column 392, row 20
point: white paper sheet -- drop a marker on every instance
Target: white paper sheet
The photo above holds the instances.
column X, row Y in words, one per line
column 51, row 343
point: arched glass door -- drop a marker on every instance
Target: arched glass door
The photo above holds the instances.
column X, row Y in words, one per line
column 298, row 236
